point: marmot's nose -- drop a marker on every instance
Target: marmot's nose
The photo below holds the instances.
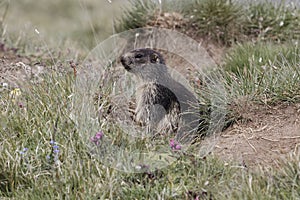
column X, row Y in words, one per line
column 126, row 62
column 123, row 61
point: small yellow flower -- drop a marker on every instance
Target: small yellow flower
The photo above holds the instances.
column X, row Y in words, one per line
column 15, row 93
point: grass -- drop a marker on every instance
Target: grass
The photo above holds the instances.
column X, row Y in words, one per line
column 272, row 22
column 77, row 24
column 136, row 16
column 264, row 72
column 221, row 21
column 75, row 174
column 218, row 20
column 32, row 166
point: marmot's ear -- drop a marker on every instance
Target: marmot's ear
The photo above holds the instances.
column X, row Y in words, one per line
column 154, row 58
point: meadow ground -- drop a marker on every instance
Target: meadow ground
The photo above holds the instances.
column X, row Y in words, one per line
column 255, row 157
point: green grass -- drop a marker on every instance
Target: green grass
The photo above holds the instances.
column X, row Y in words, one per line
column 76, row 174
column 218, row 20
column 75, row 24
column 266, row 72
column 137, row 16
column 221, row 21
column 46, row 116
column 267, row 21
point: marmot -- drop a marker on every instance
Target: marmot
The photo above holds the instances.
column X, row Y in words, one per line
column 160, row 100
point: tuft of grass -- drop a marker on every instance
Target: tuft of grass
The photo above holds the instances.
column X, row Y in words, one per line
column 217, row 20
column 244, row 56
column 222, row 21
column 137, row 15
column 265, row 72
column 270, row 22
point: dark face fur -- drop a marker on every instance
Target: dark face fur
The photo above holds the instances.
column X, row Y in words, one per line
column 140, row 57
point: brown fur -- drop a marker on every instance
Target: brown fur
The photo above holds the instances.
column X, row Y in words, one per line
column 157, row 106
column 164, row 105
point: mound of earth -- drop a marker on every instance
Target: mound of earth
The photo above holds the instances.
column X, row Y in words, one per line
column 267, row 137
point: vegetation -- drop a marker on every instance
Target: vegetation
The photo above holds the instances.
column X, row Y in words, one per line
column 33, row 166
column 44, row 156
column 264, row 72
column 223, row 21
column 217, row 20
column 137, row 16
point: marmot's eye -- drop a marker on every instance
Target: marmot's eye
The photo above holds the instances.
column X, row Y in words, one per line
column 154, row 58
column 138, row 56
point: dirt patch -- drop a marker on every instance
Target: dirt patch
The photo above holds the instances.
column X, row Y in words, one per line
column 15, row 69
column 266, row 137
column 177, row 22
column 9, row 64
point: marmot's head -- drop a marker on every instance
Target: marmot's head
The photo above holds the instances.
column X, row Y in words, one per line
column 139, row 57
column 146, row 63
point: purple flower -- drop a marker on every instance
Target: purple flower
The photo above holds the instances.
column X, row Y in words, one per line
column 21, row 105
column 96, row 139
column 174, row 145
column 56, row 151
column 54, row 146
column 24, row 151
column 178, row 147
column 99, row 135
column 52, row 142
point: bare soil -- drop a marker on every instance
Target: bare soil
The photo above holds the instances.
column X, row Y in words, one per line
column 15, row 68
column 266, row 137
